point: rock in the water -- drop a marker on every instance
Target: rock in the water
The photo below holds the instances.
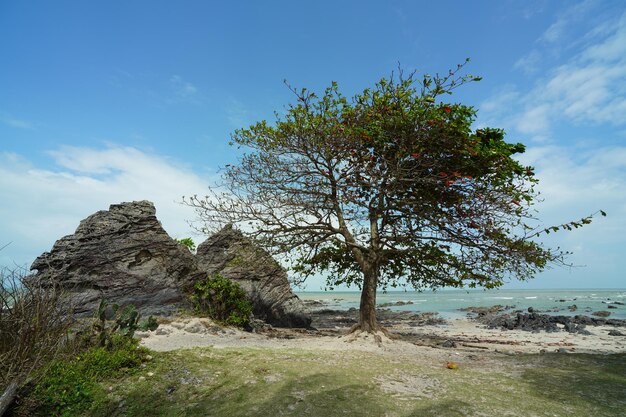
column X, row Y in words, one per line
column 123, row 255
column 602, row 313
column 394, row 304
column 237, row 258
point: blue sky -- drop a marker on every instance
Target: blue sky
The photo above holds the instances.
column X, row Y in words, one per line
column 130, row 100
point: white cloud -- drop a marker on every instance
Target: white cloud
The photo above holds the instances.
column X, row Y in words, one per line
column 43, row 205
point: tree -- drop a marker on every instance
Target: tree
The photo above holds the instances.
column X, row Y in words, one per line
column 391, row 185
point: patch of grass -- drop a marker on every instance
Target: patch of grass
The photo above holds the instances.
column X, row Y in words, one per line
column 70, row 386
column 280, row 382
column 587, row 382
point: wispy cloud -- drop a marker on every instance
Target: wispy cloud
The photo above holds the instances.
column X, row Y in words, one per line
column 587, row 88
column 529, row 63
column 568, row 18
column 236, row 113
column 591, row 87
column 181, row 88
column 16, row 123
column 42, row 205
column 158, row 89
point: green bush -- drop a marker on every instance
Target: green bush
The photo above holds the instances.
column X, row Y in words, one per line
column 188, row 243
column 71, row 385
column 222, row 300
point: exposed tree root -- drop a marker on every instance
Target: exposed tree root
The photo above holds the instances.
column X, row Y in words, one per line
column 379, row 334
column 369, row 329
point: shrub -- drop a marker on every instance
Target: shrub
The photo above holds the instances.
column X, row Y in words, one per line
column 222, row 300
column 188, row 243
column 71, row 385
column 33, row 324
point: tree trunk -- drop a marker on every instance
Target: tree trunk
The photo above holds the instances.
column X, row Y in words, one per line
column 367, row 309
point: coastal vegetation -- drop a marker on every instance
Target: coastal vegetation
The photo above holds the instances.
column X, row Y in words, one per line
column 33, row 326
column 262, row 382
column 188, row 243
column 390, row 186
column 221, row 299
column 66, row 382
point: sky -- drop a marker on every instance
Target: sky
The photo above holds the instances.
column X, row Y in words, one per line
column 104, row 102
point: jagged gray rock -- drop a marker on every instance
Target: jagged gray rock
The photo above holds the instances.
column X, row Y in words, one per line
column 237, row 258
column 123, row 255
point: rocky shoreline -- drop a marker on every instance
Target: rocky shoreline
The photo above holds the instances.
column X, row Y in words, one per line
column 535, row 322
column 497, row 328
column 494, row 317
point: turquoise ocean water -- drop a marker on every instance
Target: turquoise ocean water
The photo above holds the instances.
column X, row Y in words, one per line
column 448, row 302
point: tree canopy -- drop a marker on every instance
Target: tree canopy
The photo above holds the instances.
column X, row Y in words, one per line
column 393, row 185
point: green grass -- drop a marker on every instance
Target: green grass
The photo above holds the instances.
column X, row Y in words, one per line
column 71, row 385
column 263, row 382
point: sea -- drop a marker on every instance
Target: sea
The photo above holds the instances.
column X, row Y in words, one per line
column 448, row 303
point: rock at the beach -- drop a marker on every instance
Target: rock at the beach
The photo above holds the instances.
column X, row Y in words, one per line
column 601, row 313
column 237, row 258
column 259, row 326
column 616, row 333
column 335, row 319
column 121, row 254
column 570, row 327
column 449, row 344
column 535, row 322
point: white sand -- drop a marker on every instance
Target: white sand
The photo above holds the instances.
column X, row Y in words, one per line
column 470, row 337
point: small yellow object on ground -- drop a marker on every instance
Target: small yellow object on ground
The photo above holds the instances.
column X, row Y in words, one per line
column 452, row 365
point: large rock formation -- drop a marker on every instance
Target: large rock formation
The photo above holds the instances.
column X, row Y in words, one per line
column 123, row 255
column 235, row 257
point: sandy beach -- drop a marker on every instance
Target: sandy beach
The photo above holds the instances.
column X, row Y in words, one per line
column 457, row 337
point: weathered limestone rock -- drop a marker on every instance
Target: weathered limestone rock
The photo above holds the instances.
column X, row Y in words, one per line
column 235, row 257
column 123, row 255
